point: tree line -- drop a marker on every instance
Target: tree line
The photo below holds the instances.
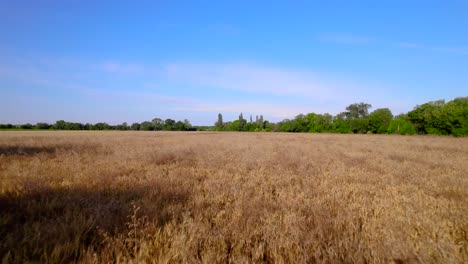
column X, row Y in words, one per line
column 435, row 117
column 155, row 125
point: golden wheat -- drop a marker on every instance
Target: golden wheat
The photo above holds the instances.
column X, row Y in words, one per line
column 164, row 197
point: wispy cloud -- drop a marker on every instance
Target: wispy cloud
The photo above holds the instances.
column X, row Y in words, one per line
column 235, row 76
column 452, row 50
column 213, row 28
column 255, row 78
column 275, row 111
column 348, row 38
column 135, row 96
column 122, row 68
column 345, row 38
column 409, row 45
column 271, row 110
column 275, row 92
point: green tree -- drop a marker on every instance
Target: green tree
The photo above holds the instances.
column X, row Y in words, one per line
column 438, row 117
column 179, row 126
column 359, row 125
column 43, row 126
column 124, row 126
column 88, row 126
column 232, row 126
column 60, row 125
column 358, row 110
column 327, row 120
column 242, row 122
column 158, row 124
column 430, row 118
column 219, row 124
column 187, row 125
column 101, row 126
column 261, row 123
column 74, row 126
column 357, row 117
column 299, row 123
column 457, row 116
column 146, row 126
column 267, row 126
column 340, row 124
column 26, row 126
column 379, row 120
column 286, row 125
column 401, row 126
column 227, row 126
column 135, row 126
column 169, row 124
column 6, row 126
column 315, row 122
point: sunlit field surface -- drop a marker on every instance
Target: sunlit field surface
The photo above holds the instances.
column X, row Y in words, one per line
column 206, row 197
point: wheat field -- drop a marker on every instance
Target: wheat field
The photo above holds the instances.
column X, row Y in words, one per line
column 207, row 197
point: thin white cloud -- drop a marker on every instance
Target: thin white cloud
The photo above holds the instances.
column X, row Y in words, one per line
column 409, row 45
column 122, row 68
column 135, row 96
column 460, row 51
column 344, row 38
column 271, row 110
column 279, row 92
column 349, row 38
column 254, row 78
column 452, row 50
column 316, row 87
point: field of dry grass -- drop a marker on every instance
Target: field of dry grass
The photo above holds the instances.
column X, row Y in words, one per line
column 193, row 197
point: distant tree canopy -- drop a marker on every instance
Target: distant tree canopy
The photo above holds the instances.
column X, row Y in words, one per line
column 401, row 126
column 155, row 124
column 379, row 120
column 441, row 118
column 436, row 117
column 219, row 125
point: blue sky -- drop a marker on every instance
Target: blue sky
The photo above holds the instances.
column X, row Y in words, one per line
column 131, row 61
